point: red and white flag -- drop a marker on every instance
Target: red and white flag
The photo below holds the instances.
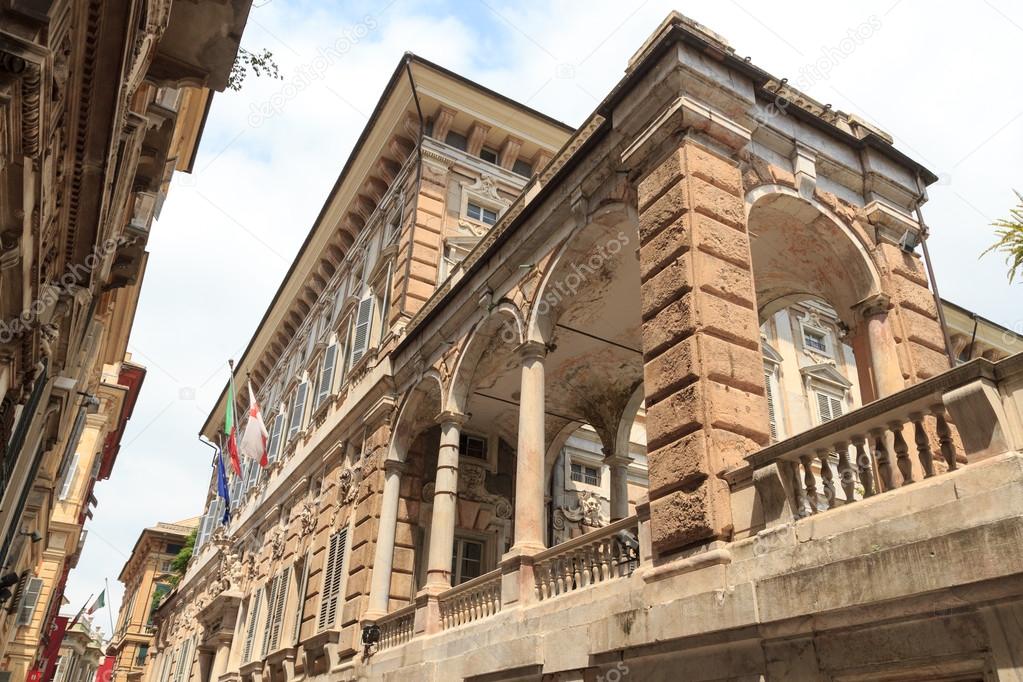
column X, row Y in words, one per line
column 255, row 437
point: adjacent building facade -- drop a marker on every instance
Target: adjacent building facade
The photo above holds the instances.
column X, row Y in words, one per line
column 666, row 392
column 100, row 102
column 147, row 576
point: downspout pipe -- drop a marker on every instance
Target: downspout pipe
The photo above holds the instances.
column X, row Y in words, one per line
column 924, row 234
column 419, row 178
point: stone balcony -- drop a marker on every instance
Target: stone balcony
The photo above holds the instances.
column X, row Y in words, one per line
column 866, row 559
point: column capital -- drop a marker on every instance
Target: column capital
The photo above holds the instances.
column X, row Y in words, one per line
column 876, row 304
column 532, row 350
column 617, row 460
column 394, row 466
column 450, row 417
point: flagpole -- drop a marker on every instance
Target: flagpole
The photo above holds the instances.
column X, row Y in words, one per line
column 110, row 611
column 80, row 612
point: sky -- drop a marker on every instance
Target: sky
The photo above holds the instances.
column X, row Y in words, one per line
column 943, row 81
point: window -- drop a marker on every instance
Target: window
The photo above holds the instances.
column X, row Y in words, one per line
column 274, row 445
column 250, row 630
column 488, row 155
column 770, row 387
column 173, row 548
column 158, row 592
column 332, row 579
column 583, row 473
column 29, row 599
column 815, row 340
column 140, row 655
column 472, row 446
column 522, row 168
column 484, row 215
column 69, row 477
column 385, row 305
column 325, row 381
column 360, row 331
column 466, row 560
column 828, row 406
column 453, row 255
column 276, row 593
column 302, row 583
column 184, row 663
column 455, row 140
column 297, row 410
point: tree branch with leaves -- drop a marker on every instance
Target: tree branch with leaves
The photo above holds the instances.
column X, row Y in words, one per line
column 1010, row 239
column 260, row 63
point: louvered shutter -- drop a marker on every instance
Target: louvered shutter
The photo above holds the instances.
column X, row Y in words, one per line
column 302, row 583
column 277, row 622
column 771, row 410
column 69, row 477
column 332, row 579
column 29, row 599
column 836, row 407
column 385, row 304
column 360, row 334
column 823, row 407
column 270, row 592
column 250, row 631
column 184, row 662
column 326, row 380
column 274, row 445
column 297, row 410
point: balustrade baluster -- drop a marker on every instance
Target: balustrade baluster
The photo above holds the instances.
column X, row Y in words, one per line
column 884, row 462
column 864, row 466
column 802, row 504
column 810, row 481
column 902, row 453
column 948, row 452
column 827, row 477
column 845, row 472
column 923, row 444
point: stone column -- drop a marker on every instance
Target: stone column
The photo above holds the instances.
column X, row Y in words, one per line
column 619, row 465
column 884, row 359
column 445, row 502
column 704, row 372
column 529, row 455
column 383, row 559
column 221, row 657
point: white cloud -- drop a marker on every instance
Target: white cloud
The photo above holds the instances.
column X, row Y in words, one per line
column 941, row 80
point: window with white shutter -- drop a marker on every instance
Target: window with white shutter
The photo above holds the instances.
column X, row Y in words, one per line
column 325, row 382
column 69, row 477
column 274, row 444
column 298, row 410
column 333, row 576
column 29, row 599
column 385, row 304
column 184, row 662
column 250, row 631
column 360, row 332
column 828, row 406
column 302, row 583
column 277, row 599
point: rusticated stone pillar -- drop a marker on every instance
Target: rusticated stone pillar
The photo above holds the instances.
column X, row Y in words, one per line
column 704, row 375
column 383, row 560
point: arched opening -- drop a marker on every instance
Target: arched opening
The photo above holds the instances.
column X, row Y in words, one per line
column 811, row 272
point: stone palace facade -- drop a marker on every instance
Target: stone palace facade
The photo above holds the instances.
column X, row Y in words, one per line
column 492, row 309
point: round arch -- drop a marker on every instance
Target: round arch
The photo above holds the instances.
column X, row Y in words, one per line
column 423, row 401
column 801, row 249
column 501, row 325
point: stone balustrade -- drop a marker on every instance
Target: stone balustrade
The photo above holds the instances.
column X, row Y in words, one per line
column 604, row 554
column 471, row 601
column 397, row 628
column 890, row 443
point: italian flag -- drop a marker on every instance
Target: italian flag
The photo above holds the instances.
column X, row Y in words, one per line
column 255, row 436
column 231, row 429
column 100, row 602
